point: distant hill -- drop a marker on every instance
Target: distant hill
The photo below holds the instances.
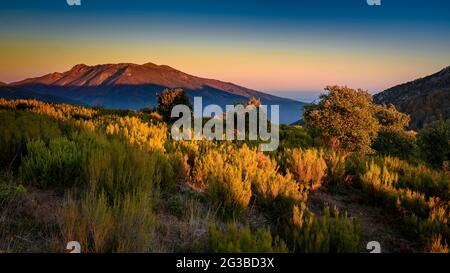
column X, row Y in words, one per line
column 13, row 92
column 425, row 100
column 134, row 86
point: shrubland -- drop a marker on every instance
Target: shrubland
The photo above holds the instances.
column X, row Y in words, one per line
column 117, row 182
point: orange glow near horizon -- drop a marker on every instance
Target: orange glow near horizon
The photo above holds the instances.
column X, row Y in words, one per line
column 268, row 68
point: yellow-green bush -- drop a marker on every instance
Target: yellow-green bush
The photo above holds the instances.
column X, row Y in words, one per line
column 120, row 160
column 336, row 168
column 227, row 175
column 230, row 187
column 205, row 167
column 294, row 137
column 308, row 166
column 58, row 164
column 8, row 191
column 17, row 128
column 145, row 136
column 423, row 217
column 419, row 177
column 117, row 169
column 277, row 194
column 334, row 232
column 236, row 239
column 59, row 111
column 101, row 226
column 269, row 184
column 115, row 214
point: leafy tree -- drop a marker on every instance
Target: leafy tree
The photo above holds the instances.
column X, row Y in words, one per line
column 345, row 117
column 434, row 142
column 169, row 98
column 390, row 119
column 392, row 138
column 254, row 101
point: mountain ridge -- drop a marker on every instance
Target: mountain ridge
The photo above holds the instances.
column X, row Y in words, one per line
column 122, row 74
column 134, row 86
column 425, row 99
column 14, row 93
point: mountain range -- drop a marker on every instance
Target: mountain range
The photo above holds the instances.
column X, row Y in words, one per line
column 133, row 86
column 425, row 100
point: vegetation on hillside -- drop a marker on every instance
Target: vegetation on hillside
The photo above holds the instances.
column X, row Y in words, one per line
column 116, row 181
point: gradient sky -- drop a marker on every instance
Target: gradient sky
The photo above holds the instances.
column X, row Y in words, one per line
column 276, row 46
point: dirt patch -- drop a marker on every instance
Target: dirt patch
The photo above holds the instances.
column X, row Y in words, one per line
column 378, row 224
column 29, row 221
column 43, row 206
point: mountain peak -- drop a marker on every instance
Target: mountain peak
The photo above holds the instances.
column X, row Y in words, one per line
column 150, row 64
column 134, row 86
column 79, row 67
column 84, row 76
column 445, row 70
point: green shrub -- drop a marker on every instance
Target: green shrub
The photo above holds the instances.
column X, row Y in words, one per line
column 134, row 223
column 8, row 191
column 100, row 226
column 356, row 165
column 434, row 142
column 423, row 217
column 419, row 178
column 18, row 128
column 115, row 214
column 394, row 143
column 332, row 233
column 242, row 240
column 117, row 169
column 294, row 137
column 58, row 164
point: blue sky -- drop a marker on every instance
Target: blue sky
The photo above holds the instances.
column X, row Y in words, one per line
column 266, row 45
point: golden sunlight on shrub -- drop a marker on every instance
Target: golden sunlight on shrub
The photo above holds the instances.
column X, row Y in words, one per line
column 308, row 166
column 229, row 187
column 205, row 167
column 270, row 184
column 438, row 245
column 336, row 167
column 58, row 111
column 143, row 135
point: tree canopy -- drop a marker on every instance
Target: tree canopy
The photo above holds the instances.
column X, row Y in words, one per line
column 349, row 118
column 170, row 98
